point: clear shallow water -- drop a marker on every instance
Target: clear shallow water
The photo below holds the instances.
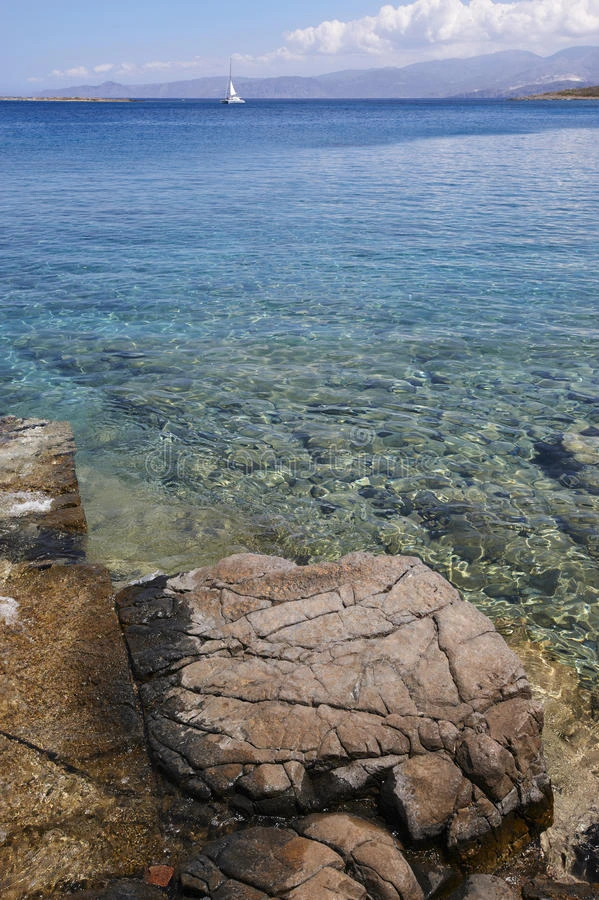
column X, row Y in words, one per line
column 309, row 328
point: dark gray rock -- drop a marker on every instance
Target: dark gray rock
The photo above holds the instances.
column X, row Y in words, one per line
column 122, row 889
column 546, row 889
column 586, row 853
column 485, row 887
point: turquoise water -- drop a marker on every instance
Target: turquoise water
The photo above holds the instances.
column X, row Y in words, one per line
column 315, row 327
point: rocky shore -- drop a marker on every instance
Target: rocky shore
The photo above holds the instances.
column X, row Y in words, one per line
column 344, row 730
column 78, row 792
column 71, row 99
column 579, row 93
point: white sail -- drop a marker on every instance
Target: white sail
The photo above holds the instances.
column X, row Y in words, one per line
column 231, row 96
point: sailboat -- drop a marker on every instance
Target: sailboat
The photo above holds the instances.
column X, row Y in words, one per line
column 231, row 96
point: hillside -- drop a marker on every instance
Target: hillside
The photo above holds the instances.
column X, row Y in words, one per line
column 587, row 93
column 510, row 73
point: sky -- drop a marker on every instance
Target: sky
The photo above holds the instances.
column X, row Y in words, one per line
column 58, row 43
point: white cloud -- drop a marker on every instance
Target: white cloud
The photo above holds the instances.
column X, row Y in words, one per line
column 158, row 65
column 129, row 69
column 396, row 35
column 281, row 54
column 76, row 72
column 194, row 63
column 425, row 23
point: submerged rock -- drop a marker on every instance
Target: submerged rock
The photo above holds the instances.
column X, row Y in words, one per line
column 485, row 887
column 122, row 889
column 280, row 689
column 545, row 889
column 571, row 746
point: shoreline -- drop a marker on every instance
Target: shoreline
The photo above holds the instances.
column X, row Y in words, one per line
column 583, row 93
column 69, row 99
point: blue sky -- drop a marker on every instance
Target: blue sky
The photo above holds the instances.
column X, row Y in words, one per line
column 55, row 43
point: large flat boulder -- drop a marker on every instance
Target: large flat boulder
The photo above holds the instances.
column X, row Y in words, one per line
column 279, row 688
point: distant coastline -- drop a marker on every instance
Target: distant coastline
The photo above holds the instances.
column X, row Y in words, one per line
column 583, row 93
column 71, row 99
column 502, row 75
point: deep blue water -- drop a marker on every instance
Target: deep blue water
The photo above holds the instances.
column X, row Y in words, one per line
column 315, row 327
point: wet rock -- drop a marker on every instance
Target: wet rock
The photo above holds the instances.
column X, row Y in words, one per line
column 485, row 887
column 41, row 516
column 159, row 875
column 545, row 889
column 586, row 853
column 571, row 745
column 280, row 689
column 555, row 459
column 571, row 458
column 584, row 448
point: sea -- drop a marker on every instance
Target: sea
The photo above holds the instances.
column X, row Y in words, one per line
column 315, row 327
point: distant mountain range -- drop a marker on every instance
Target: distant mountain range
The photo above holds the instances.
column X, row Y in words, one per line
column 511, row 73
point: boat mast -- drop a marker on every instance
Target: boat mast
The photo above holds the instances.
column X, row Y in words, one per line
column 231, row 90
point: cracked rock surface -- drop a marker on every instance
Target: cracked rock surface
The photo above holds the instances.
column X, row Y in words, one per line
column 329, row 857
column 283, row 689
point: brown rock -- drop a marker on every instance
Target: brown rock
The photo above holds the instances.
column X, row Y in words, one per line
column 235, row 890
column 426, row 791
column 159, row 875
column 370, row 851
column 274, row 860
column 277, row 862
column 281, row 688
column 487, row 764
column 328, row 884
column 41, row 516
